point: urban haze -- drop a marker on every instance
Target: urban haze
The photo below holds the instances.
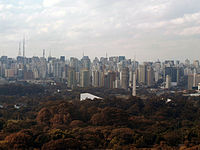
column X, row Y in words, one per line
column 147, row 29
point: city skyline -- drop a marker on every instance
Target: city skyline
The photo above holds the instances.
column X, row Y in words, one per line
column 148, row 29
column 46, row 54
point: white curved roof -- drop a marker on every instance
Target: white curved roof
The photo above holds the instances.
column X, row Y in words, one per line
column 84, row 96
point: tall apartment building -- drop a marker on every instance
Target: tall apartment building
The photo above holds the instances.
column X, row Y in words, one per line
column 142, row 74
column 150, row 76
column 193, row 80
column 95, row 78
column 124, row 78
column 71, row 78
column 84, row 78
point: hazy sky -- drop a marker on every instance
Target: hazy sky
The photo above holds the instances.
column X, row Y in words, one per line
column 149, row 29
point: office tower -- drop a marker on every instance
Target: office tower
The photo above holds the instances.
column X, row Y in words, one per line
column 28, row 75
column 10, row 73
column 124, row 78
column 196, row 64
column 157, row 66
column 62, row 58
column 101, row 79
column 85, row 62
column 57, row 69
column 23, row 47
column 169, row 63
column 168, row 82
column 64, row 70
column 95, row 78
column 20, row 74
column 74, row 62
column 85, row 78
column 117, row 83
column 150, row 76
column 109, row 79
column 106, row 81
column 134, row 84
column 121, row 58
column 142, row 73
column 187, row 71
column 193, row 80
column 77, row 77
column 35, row 73
column 50, row 69
column 43, row 53
column 112, row 78
column 173, row 72
column 71, row 78
column 199, row 87
column 187, row 62
column 157, row 76
column 177, row 63
column 42, row 68
column 19, row 53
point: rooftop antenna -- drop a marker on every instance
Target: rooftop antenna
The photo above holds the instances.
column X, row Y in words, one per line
column 43, row 53
column 134, row 63
column 19, row 53
column 24, row 46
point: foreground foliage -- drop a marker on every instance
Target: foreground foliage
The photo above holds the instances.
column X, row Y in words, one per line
column 111, row 123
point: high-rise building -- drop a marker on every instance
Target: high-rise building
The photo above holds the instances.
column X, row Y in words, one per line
column 121, row 58
column 109, row 79
column 117, row 83
column 28, row 75
column 35, row 73
column 168, row 82
column 193, row 80
column 95, row 78
column 101, row 79
column 142, row 73
column 187, row 62
column 150, row 76
column 134, row 84
column 57, row 69
column 74, row 62
column 10, row 73
column 85, row 78
column 124, row 78
column 77, row 77
column 173, row 72
column 106, row 81
column 196, row 64
column 71, row 78
column 62, row 58
column 112, row 78
column 86, row 62
column 199, row 87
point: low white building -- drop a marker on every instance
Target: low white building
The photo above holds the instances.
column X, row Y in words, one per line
column 84, row 96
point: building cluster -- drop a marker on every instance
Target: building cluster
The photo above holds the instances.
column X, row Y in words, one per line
column 112, row 72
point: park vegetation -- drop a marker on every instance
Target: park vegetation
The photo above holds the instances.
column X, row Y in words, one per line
column 58, row 120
